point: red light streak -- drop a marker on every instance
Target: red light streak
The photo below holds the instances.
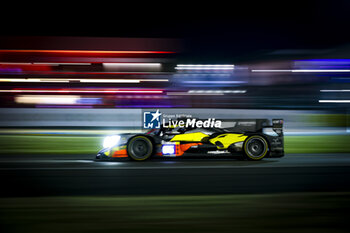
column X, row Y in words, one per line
column 85, row 91
column 84, row 51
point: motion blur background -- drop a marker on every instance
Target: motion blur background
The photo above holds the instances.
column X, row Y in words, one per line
column 69, row 76
column 90, row 87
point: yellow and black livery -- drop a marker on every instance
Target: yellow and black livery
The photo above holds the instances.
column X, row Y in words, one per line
column 251, row 139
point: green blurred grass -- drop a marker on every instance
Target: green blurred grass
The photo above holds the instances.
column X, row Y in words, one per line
column 30, row 144
column 317, row 144
column 327, row 120
column 303, row 212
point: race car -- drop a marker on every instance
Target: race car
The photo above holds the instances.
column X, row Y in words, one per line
column 248, row 139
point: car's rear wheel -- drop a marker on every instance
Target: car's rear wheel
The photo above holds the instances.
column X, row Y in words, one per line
column 255, row 147
column 140, row 148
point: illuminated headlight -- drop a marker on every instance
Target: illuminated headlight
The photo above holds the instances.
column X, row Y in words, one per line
column 168, row 149
column 111, row 141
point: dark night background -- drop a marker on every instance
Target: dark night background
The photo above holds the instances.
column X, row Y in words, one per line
column 65, row 86
column 211, row 31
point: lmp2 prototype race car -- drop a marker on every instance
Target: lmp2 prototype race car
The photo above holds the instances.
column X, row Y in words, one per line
column 249, row 139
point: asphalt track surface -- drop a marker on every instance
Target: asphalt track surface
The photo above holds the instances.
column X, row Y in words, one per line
column 46, row 175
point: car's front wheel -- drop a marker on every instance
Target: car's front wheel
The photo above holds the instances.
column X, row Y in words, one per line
column 255, row 147
column 140, row 148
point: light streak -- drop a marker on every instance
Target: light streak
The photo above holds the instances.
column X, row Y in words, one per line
column 204, row 67
column 334, row 101
column 305, row 71
column 132, row 64
column 57, row 80
column 343, row 90
column 82, row 51
column 208, row 92
column 66, row 91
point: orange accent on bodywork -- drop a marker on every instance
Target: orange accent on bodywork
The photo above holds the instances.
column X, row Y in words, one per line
column 120, row 154
column 180, row 149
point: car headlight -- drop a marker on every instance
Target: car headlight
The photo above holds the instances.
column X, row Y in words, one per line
column 111, row 141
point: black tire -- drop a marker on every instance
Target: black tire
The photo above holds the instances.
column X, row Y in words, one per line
column 255, row 147
column 140, row 148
